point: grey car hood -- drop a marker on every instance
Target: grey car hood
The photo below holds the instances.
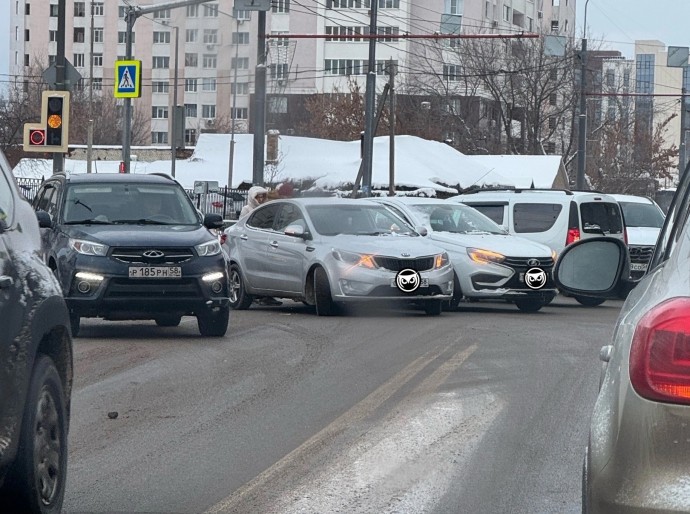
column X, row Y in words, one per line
column 388, row 245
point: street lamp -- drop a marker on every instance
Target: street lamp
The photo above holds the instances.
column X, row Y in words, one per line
column 582, row 118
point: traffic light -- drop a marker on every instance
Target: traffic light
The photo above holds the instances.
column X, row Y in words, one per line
column 52, row 134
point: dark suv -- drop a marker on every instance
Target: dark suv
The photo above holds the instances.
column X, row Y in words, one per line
column 35, row 364
column 127, row 247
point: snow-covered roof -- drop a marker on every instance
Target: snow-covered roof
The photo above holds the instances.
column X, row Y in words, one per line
column 522, row 171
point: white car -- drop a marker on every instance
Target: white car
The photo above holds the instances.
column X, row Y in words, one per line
column 643, row 221
column 489, row 263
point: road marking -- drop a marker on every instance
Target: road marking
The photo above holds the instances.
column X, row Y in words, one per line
column 358, row 412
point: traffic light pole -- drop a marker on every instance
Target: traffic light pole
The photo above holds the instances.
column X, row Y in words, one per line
column 259, row 105
column 59, row 158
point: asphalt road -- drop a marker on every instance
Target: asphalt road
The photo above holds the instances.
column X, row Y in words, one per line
column 380, row 411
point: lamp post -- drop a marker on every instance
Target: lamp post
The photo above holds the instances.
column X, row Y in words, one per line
column 173, row 117
column 582, row 125
column 233, row 118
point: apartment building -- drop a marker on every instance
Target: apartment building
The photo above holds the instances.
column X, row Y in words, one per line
column 217, row 50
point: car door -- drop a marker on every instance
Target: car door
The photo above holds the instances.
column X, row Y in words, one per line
column 253, row 246
column 47, row 200
column 288, row 255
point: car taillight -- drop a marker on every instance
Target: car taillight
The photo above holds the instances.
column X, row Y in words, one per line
column 625, row 235
column 660, row 353
column 573, row 235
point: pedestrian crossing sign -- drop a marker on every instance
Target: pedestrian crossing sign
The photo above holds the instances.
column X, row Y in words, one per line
column 127, row 79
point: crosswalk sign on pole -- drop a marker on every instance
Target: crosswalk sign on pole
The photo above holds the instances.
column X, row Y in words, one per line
column 127, row 79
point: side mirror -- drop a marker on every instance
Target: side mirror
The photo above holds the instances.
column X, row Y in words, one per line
column 422, row 231
column 597, row 267
column 296, row 231
column 213, row 221
column 44, row 219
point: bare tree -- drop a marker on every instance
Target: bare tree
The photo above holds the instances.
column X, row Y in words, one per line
column 337, row 115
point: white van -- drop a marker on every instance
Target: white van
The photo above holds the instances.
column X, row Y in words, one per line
column 552, row 217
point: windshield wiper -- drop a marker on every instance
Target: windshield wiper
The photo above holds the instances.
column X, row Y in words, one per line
column 77, row 201
column 142, row 221
column 88, row 222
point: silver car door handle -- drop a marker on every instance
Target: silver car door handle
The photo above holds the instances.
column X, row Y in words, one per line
column 243, row 237
column 274, row 244
column 6, row 282
column 605, row 353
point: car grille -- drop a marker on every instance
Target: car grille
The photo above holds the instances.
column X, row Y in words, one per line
column 523, row 262
column 136, row 255
column 395, row 264
column 158, row 288
column 640, row 254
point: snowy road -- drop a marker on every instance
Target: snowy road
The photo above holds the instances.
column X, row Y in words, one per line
column 484, row 410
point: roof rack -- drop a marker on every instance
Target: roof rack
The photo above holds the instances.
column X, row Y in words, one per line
column 516, row 190
column 162, row 174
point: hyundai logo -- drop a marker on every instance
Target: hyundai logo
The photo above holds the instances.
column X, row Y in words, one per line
column 154, row 254
column 533, row 262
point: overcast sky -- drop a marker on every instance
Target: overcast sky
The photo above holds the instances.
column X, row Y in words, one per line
column 617, row 22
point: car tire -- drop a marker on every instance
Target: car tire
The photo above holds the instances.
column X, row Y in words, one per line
column 74, row 323
column 530, row 305
column 36, row 483
column 239, row 299
column 433, row 307
column 588, row 301
column 214, row 324
column 454, row 303
column 322, row 294
column 168, row 321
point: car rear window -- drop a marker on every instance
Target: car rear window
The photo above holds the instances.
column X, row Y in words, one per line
column 601, row 217
column 535, row 217
column 642, row 215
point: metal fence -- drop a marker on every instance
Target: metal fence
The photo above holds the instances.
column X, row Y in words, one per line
column 226, row 202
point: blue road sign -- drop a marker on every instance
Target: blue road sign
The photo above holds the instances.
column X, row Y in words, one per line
column 127, row 79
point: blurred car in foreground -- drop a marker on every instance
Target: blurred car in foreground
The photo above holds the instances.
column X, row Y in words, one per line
column 643, row 221
column 326, row 251
column 489, row 263
column 36, row 360
column 639, row 441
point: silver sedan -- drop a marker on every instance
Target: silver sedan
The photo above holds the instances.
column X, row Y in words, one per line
column 324, row 251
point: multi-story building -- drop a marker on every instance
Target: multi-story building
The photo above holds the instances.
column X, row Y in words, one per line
column 217, row 49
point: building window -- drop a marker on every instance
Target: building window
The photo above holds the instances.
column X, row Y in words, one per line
column 554, row 25
column 279, row 71
column 97, row 8
column 161, row 37
column 160, row 87
column 26, row 60
column 79, row 9
column 553, row 122
column 209, row 61
column 98, row 35
column 387, row 31
column 241, row 63
column 27, row 9
column 242, row 15
column 345, row 67
column 347, row 4
column 78, row 60
column 159, row 138
column 353, row 33
column 553, row 99
column 52, row 36
column 163, row 14
column 97, row 84
column 52, row 59
column 159, row 112
column 208, row 111
column 192, row 11
column 79, row 34
column 190, row 136
column 208, row 84
column 280, row 6
column 506, row 13
column 190, row 85
column 191, row 60
column 240, row 38
column 190, row 110
column 192, row 35
column 27, row 35
column 160, row 62
column 211, row 10
column 53, row 10
column 452, row 72
column 455, row 7
column 210, row 37
column 239, row 113
column 278, row 104
column 550, row 147
column 382, row 67
column 241, row 88
column 98, row 60
column 121, row 12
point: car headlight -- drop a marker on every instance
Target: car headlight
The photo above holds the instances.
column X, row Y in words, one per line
column 88, row 247
column 484, row 256
column 355, row 259
column 441, row 260
column 208, row 249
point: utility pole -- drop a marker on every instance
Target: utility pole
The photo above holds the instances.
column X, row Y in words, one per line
column 582, row 125
column 173, row 118
column 392, row 71
column 231, row 163
column 89, row 134
column 60, row 74
column 683, row 150
column 370, row 105
column 259, row 104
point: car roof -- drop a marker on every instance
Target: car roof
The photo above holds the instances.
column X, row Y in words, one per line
column 411, row 200
column 631, row 198
column 133, row 178
column 327, row 201
column 550, row 195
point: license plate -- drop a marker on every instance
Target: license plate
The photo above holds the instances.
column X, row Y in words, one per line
column 155, row 272
column 424, row 283
column 638, row 266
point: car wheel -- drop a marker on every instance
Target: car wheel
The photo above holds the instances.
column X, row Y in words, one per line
column 433, row 307
column 168, row 321
column 454, row 303
column 37, row 481
column 322, row 294
column 214, row 324
column 74, row 323
column 529, row 305
column 239, row 299
column 588, row 301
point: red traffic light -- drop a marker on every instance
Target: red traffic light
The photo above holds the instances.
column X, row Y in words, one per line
column 122, row 168
column 37, row 137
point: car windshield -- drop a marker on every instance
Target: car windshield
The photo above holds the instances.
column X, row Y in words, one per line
column 374, row 220
column 642, row 215
column 455, row 218
column 120, row 203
